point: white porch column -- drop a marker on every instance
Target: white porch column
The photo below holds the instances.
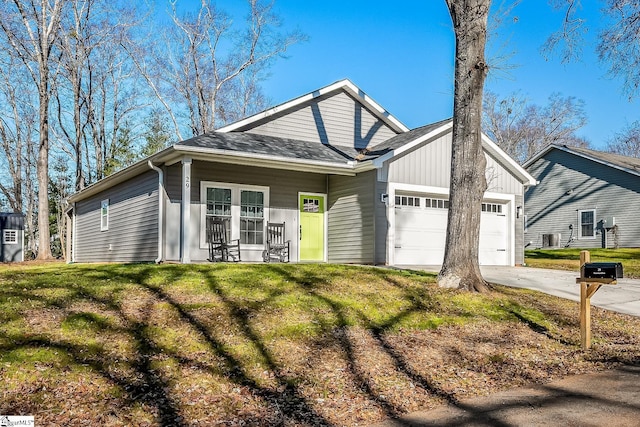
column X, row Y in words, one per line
column 186, row 211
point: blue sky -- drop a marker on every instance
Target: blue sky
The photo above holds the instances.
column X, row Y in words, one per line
column 401, row 54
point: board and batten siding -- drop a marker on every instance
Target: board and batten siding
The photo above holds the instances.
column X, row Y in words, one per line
column 430, row 165
column 133, row 223
column 569, row 184
column 352, row 218
column 284, row 187
column 335, row 118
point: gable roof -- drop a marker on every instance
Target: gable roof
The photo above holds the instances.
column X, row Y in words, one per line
column 409, row 140
column 342, row 85
column 624, row 163
column 251, row 149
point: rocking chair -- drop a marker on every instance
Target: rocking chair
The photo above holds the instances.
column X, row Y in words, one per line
column 276, row 246
column 221, row 248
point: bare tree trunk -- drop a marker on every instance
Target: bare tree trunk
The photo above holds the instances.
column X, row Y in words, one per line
column 42, row 169
column 468, row 182
column 32, row 43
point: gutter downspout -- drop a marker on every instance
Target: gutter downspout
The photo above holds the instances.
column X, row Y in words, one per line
column 160, row 211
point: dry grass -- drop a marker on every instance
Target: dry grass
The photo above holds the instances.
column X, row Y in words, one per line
column 274, row 344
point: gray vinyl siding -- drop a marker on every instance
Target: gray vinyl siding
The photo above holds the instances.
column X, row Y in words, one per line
column 284, row 187
column 570, row 183
column 351, row 218
column 382, row 224
column 519, row 232
column 430, row 165
column 336, row 119
column 133, row 223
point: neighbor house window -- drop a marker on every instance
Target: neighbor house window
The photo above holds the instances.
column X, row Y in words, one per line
column 10, row 237
column 104, row 215
column 243, row 208
column 587, row 223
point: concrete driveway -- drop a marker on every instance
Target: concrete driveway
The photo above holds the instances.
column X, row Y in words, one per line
column 623, row 297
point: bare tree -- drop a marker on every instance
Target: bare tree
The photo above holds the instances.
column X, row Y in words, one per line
column 568, row 40
column 521, row 129
column 506, row 121
column 619, row 44
column 98, row 85
column 460, row 268
column 30, row 28
column 627, row 141
column 76, row 46
column 18, row 141
column 204, row 57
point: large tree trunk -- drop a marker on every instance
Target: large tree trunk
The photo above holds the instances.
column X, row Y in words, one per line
column 42, row 169
column 468, row 183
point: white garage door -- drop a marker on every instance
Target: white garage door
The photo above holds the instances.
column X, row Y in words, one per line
column 420, row 232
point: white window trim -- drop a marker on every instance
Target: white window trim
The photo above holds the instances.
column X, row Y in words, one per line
column 235, row 209
column 580, row 236
column 10, row 237
column 104, row 225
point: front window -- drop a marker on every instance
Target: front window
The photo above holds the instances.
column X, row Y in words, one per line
column 219, row 206
column 587, row 226
column 251, row 217
column 243, row 208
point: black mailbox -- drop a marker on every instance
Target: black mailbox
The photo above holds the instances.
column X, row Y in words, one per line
column 602, row 270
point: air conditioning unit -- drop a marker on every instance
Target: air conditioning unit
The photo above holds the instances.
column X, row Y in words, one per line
column 551, row 240
column 608, row 222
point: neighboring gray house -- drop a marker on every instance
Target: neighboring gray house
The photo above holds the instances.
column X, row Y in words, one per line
column 11, row 237
column 584, row 199
column 351, row 182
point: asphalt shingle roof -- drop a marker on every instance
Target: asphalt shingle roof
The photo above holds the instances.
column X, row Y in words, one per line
column 625, row 162
column 249, row 143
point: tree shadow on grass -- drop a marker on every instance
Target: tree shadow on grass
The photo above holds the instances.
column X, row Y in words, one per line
column 285, row 397
column 312, row 285
column 139, row 383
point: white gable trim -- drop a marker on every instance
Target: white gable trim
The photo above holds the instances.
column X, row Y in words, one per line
column 345, row 85
column 487, row 144
column 576, row 153
column 511, row 165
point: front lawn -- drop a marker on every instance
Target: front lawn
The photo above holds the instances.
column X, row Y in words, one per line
column 569, row 259
column 276, row 344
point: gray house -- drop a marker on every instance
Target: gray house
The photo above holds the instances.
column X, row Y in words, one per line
column 350, row 181
column 11, row 237
column 584, row 199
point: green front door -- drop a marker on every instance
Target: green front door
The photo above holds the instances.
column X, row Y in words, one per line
column 311, row 227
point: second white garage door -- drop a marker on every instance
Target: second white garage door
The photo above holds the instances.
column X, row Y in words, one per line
column 420, row 232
